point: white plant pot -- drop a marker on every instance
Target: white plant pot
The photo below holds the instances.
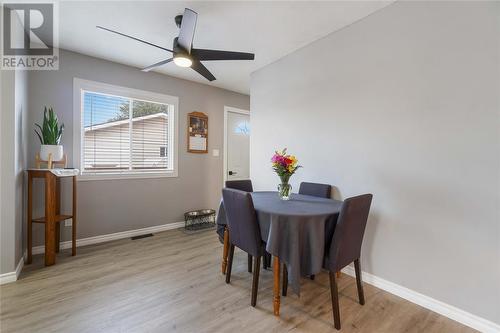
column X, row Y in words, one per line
column 55, row 150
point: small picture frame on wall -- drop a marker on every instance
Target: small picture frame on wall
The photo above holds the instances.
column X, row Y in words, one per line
column 197, row 133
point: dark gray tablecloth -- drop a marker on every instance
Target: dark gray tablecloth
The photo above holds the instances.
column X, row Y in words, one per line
column 298, row 231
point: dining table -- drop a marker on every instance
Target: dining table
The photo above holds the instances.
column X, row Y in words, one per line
column 296, row 232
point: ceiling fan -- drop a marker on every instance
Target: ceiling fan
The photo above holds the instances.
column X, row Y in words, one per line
column 184, row 55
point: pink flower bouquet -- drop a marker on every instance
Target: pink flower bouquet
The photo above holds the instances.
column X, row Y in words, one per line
column 285, row 166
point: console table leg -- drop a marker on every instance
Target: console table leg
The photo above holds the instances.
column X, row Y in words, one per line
column 29, row 224
column 58, row 211
column 73, row 226
column 50, row 212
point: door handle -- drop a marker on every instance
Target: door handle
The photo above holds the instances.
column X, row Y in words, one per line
column 232, row 173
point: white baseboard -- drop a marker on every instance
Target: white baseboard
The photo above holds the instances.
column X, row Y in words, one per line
column 427, row 302
column 12, row 276
column 114, row 236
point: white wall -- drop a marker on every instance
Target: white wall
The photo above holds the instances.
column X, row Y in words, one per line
column 109, row 206
column 403, row 104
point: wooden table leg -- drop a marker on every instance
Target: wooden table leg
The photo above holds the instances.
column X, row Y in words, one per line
column 58, row 211
column 276, row 286
column 225, row 251
column 29, row 224
column 284, row 287
column 74, row 220
column 50, row 211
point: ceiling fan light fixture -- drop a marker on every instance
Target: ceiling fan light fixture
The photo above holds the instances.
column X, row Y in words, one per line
column 184, row 55
column 183, row 61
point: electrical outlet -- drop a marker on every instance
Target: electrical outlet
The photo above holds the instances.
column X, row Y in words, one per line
column 68, row 223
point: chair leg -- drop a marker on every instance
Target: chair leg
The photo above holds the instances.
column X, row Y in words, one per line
column 249, row 263
column 225, row 250
column 268, row 258
column 312, row 277
column 229, row 263
column 264, row 261
column 255, row 282
column 335, row 300
column 284, row 288
column 359, row 282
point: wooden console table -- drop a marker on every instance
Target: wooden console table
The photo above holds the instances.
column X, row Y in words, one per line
column 53, row 216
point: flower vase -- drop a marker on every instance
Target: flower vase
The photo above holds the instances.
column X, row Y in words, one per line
column 284, row 191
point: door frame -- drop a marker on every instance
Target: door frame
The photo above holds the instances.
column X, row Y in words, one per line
column 228, row 109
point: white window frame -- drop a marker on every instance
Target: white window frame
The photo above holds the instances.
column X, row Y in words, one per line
column 80, row 85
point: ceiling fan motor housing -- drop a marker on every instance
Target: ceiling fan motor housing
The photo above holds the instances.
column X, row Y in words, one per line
column 178, row 21
column 178, row 50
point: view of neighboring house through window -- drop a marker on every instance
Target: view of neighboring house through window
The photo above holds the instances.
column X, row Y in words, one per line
column 125, row 135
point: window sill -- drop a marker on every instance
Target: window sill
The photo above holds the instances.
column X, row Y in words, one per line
column 92, row 177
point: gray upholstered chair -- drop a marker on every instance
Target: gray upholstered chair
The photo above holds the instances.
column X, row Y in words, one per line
column 244, row 232
column 346, row 246
column 242, row 185
column 246, row 185
column 315, row 189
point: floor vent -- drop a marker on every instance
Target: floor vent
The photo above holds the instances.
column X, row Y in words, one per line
column 141, row 236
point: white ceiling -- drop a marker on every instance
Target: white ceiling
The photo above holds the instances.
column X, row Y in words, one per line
column 271, row 30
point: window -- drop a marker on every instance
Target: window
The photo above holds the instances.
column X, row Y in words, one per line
column 125, row 132
column 243, row 128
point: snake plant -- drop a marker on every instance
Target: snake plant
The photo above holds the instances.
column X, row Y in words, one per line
column 50, row 132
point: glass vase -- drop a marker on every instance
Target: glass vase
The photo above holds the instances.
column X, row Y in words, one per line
column 284, row 191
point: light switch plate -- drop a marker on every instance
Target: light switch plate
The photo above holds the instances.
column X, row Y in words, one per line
column 68, row 223
column 215, row 152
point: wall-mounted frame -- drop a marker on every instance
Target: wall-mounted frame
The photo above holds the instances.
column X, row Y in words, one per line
column 197, row 133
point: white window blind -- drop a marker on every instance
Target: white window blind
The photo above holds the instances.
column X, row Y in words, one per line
column 125, row 135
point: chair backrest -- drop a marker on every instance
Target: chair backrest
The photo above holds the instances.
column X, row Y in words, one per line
column 315, row 189
column 244, row 230
column 349, row 231
column 242, row 185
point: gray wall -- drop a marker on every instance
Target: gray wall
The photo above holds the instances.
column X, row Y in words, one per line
column 20, row 160
column 403, row 104
column 13, row 162
column 108, row 206
column 7, row 172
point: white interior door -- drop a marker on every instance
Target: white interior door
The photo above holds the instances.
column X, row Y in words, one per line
column 238, row 145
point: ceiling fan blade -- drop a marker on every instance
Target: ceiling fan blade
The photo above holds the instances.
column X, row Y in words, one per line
column 202, row 54
column 188, row 25
column 158, row 64
column 137, row 39
column 198, row 66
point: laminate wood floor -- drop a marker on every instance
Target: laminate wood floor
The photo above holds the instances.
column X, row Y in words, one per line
column 172, row 283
